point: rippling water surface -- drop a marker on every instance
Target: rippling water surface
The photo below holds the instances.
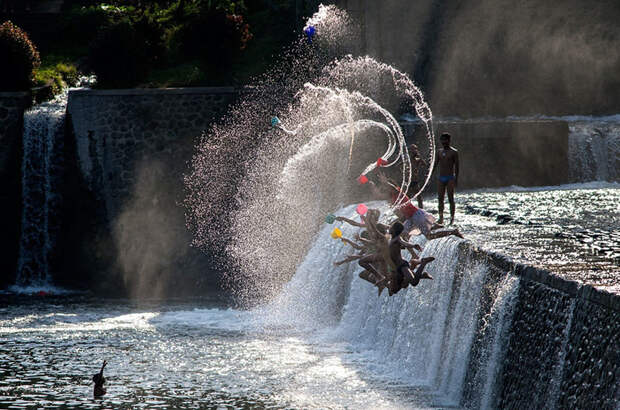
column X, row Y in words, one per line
column 201, row 354
column 177, row 355
column 572, row 230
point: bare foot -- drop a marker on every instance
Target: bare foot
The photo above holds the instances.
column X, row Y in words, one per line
column 421, row 266
column 380, row 288
column 425, row 275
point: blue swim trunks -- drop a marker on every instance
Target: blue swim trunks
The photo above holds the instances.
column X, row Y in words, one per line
column 444, row 179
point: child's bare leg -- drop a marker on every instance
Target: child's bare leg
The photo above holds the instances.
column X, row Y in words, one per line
column 412, row 253
column 367, row 276
column 366, row 263
column 442, row 233
column 419, row 272
column 348, row 259
column 381, row 284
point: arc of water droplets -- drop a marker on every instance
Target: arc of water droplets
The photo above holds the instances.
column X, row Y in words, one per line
column 423, row 112
column 359, row 66
column 392, row 130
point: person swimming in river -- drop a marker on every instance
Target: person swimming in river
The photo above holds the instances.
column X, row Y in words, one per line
column 413, row 218
column 99, row 380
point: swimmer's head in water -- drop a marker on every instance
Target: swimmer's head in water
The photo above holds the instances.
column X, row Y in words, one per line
column 396, row 228
column 413, row 149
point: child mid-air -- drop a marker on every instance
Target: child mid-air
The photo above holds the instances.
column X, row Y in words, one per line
column 372, row 240
column 374, row 255
column 404, row 274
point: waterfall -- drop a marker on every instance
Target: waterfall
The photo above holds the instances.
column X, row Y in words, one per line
column 594, row 150
column 423, row 336
column 482, row 334
column 41, row 172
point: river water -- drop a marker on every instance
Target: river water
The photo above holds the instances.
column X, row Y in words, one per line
column 328, row 340
column 572, row 230
column 183, row 355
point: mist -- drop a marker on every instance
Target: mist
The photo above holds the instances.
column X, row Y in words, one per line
column 501, row 57
column 153, row 251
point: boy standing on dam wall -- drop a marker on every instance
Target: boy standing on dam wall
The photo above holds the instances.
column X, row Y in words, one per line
column 448, row 163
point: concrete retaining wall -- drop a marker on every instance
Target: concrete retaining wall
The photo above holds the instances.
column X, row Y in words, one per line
column 561, row 344
column 131, row 151
column 503, row 152
column 12, row 106
column 499, row 57
column 117, row 131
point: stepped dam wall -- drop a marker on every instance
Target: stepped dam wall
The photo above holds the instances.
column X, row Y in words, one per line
column 125, row 152
column 485, row 333
column 561, row 352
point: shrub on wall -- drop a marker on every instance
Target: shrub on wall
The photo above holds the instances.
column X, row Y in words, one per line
column 18, row 58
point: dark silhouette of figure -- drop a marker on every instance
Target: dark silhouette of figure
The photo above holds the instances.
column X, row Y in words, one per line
column 417, row 164
column 99, row 381
column 448, row 163
column 404, row 274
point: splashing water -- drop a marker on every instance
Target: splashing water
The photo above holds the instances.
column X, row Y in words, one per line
column 292, row 150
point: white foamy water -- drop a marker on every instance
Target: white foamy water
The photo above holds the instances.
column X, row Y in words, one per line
column 326, row 341
column 43, row 142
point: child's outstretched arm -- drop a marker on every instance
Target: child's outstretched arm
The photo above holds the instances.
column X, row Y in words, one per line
column 353, row 244
column 409, row 245
column 105, row 362
column 349, row 258
column 350, row 221
column 366, row 242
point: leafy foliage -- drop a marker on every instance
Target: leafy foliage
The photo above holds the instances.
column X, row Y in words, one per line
column 129, row 43
column 19, row 58
column 56, row 76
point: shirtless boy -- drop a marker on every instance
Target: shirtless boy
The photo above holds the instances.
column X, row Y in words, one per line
column 404, row 275
column 370, row 255
column 375, row 254
column 448, row 163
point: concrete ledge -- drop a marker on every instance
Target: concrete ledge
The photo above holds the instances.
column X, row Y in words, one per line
column 570, row 287
column 502, row 261
column 157, row 91
column 14, row 94
column 600, row 296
